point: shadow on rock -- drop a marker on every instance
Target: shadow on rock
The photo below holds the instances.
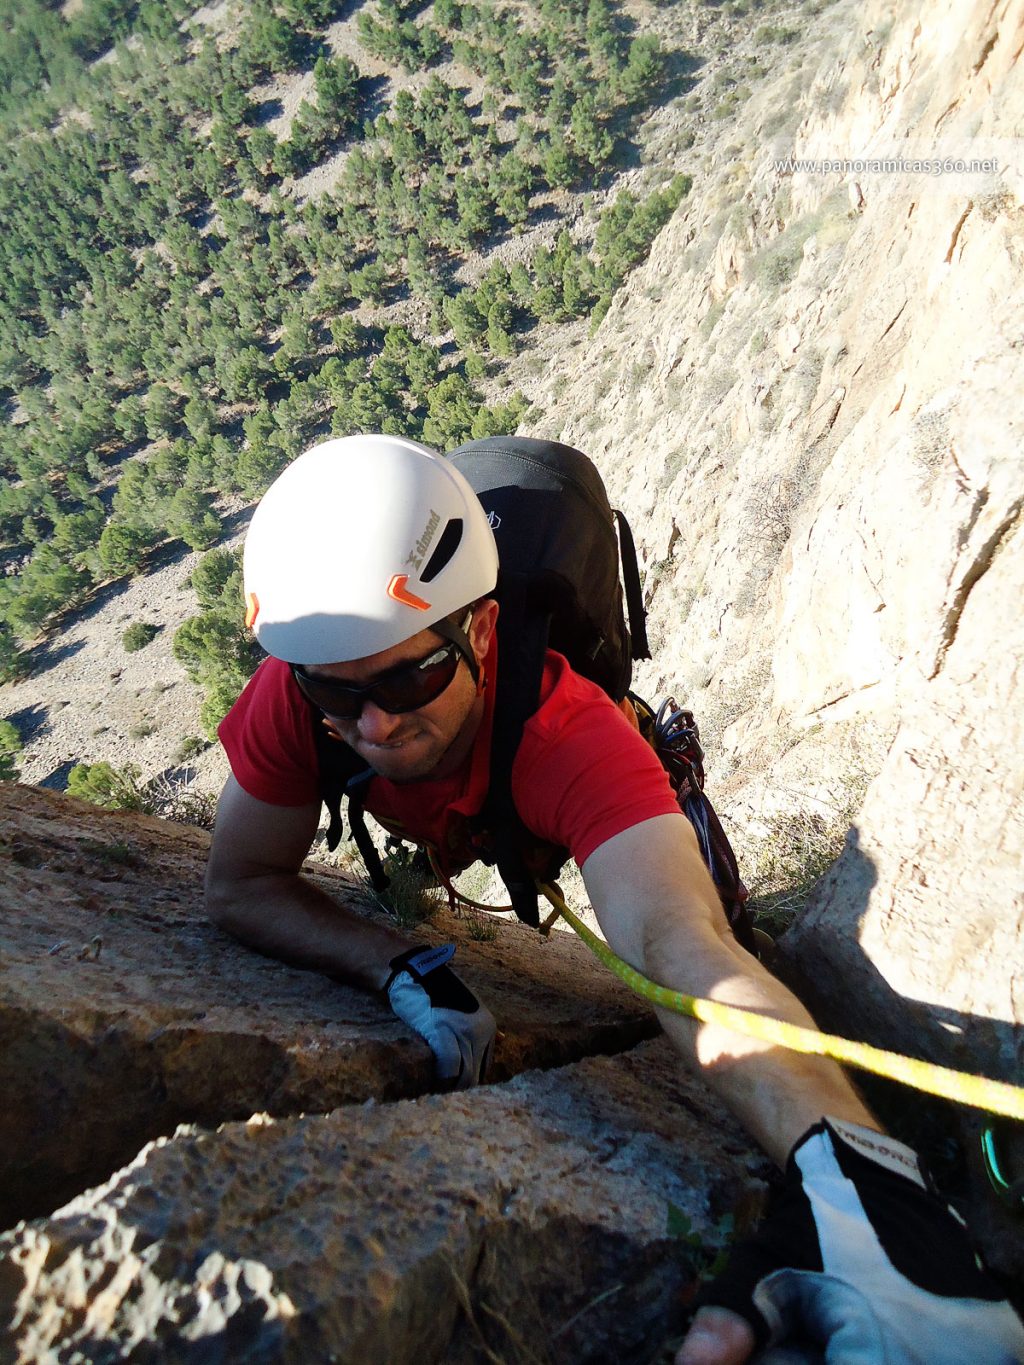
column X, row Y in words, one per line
column 946, row 1133
column 31, row 721
column 57, row 780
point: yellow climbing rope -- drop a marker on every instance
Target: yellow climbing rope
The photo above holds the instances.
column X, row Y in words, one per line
column 997, row 1097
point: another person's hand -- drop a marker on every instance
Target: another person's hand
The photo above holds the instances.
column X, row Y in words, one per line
column 858, row 1263
column 427, row 995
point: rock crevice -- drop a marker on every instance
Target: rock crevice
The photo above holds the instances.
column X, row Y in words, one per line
column 174, row 1022
column 979, row 566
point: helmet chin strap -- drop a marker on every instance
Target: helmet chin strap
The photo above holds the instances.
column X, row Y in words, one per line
column 457, row 635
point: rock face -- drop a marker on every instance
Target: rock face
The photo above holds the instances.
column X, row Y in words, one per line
column 809, row 402
column 573, row 1206
column 124, row 1012
column 922, row 917
column 505, row 1224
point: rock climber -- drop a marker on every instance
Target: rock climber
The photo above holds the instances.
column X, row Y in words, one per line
column 858, row 1261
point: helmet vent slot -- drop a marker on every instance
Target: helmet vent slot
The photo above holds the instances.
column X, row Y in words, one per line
column 443, row 551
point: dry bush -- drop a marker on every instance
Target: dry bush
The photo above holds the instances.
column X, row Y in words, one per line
column 798, row 847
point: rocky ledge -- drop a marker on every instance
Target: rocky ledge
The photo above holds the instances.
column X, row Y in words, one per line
column 299, row 1193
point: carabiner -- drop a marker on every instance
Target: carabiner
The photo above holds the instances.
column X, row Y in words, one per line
column 1010, row 1191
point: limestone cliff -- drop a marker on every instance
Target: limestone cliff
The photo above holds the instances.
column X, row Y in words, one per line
column 809, row 400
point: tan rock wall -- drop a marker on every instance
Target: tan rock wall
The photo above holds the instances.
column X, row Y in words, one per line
column 124, row 1012
column 509, row 1223
column 810, row 401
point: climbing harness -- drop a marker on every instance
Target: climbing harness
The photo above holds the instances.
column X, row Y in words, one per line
column 997, row 1097
column 674, row 736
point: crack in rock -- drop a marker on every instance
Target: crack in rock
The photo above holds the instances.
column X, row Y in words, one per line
column 985, row 53
column 958, row 229
column 894, row 321
column 176, row 1023
column 385, row 1235
column 978, row 567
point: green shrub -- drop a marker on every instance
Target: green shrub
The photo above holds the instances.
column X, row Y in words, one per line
column 182, row 802
column 214, row 647
column 10, row 747
column 778, row 264
column 413, row 894
column 480, row 928
column 191, row 746
column 138, row 635
column 110, row 787
column 221, row 695
column 775, row 33
column 797, row 849
column 12, row 661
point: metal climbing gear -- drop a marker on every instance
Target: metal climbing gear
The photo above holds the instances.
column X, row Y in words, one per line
column 1009, row 1189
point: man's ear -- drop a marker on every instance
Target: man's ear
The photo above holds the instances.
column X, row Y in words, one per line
column 481, row 628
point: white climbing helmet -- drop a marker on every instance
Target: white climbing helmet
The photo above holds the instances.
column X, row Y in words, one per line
column 360, row 544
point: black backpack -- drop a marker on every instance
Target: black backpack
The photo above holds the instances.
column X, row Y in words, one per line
column 568, row 580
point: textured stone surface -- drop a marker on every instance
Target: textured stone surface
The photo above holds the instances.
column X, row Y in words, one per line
column 777, row 430
column 528, row 1219
column 124, row 1012
column 808, row 401
column 922, row 918
column 816, row 427
column 915, row 938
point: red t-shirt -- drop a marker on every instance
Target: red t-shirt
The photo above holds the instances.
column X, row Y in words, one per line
column 581, row 775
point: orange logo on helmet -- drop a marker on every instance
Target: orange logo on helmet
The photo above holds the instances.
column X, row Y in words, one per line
column 252, row 609
column 397, row 590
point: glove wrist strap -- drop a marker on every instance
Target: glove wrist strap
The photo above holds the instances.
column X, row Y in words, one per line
column 419, row 962
column 878, row 1147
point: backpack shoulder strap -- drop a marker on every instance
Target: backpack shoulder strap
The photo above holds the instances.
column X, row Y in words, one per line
column 522, row 645
column 632, row 591
column 342, row 773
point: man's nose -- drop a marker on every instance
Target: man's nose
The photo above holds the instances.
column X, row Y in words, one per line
column 376, row 725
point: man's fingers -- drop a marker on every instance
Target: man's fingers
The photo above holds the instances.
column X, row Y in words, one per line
column 717, row 1337
column 448, row 1062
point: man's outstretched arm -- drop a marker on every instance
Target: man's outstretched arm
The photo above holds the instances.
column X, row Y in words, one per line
column 254, row 890
column 659, row 910
column 858, row 1259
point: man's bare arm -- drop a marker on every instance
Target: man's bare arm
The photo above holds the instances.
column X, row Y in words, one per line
column 254, row 891
column 659, row 910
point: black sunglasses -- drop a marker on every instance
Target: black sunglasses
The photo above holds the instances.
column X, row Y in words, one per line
column 406, row 687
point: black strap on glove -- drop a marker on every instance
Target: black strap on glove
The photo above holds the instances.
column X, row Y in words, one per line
column 427, row 995
column 860, row 1262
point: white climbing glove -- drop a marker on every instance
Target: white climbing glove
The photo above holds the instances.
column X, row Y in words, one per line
column 427, row 995
column 860, row 1263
